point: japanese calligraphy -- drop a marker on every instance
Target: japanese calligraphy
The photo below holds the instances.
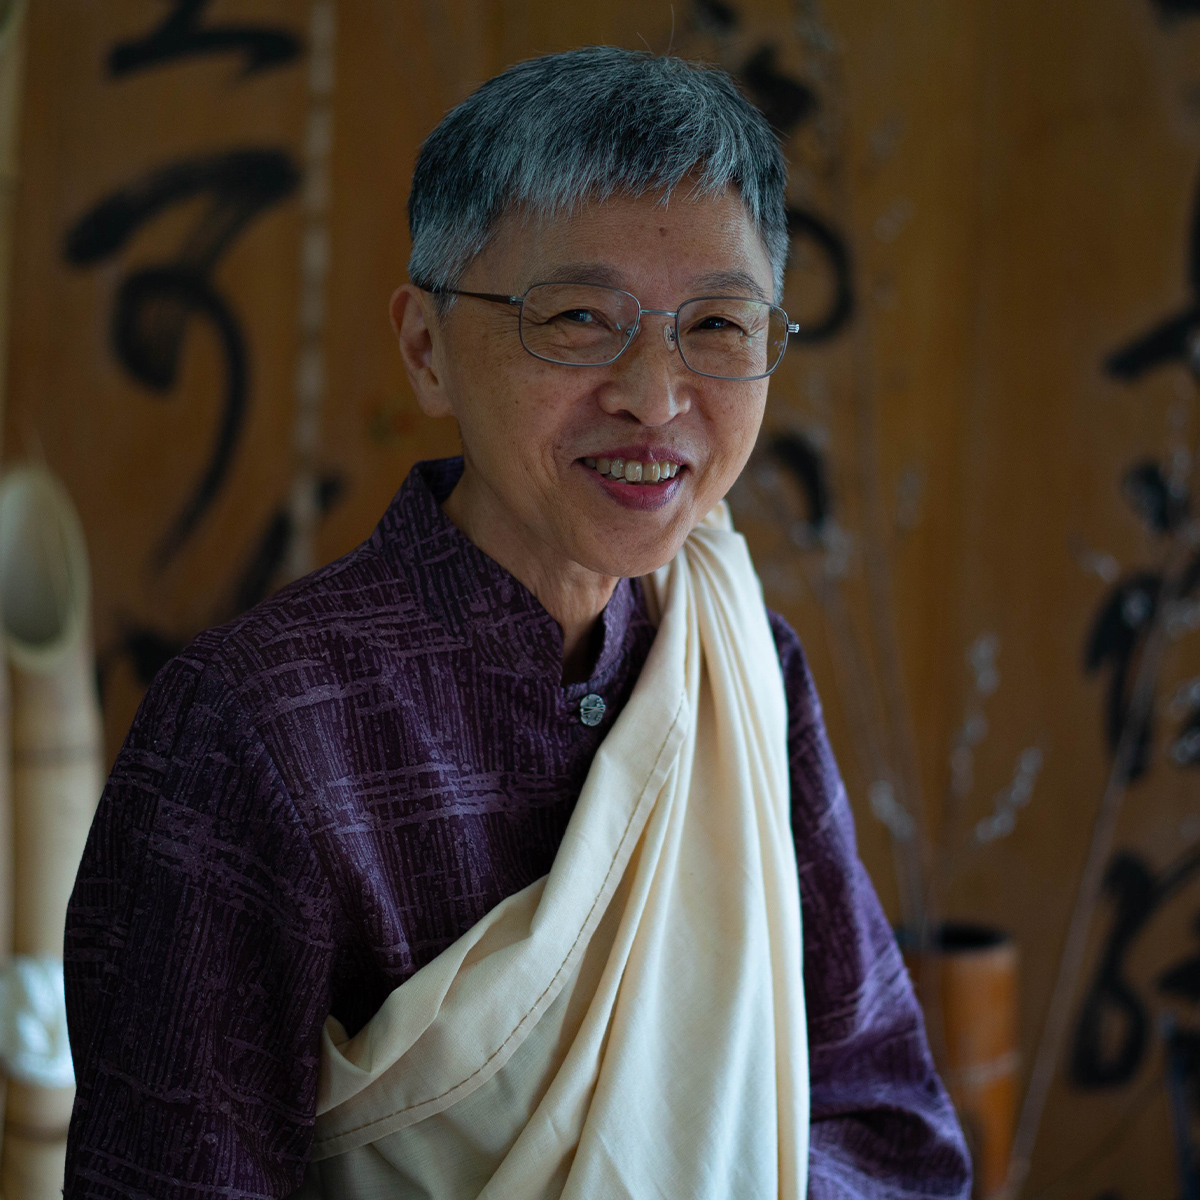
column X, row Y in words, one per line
column 181, row 35
column 1113, row 1029
column 787, row 103
column 154, row 305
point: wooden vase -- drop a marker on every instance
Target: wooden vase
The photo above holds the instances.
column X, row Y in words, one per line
column 56, row 778
column 967, row 984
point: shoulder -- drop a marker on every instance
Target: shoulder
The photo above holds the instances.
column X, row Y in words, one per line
column 305, row 637
column 787, row 641
column 817, row 790
column 804, row 706
column 301, row 626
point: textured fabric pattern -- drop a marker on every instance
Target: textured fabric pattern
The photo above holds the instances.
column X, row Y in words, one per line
column 317, row 799
column 678, row 1067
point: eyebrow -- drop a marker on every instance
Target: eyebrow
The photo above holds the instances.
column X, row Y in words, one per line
column 592, row 272
column 735, row 283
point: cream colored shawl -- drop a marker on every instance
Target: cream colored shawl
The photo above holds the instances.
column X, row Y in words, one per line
column 632, row 1025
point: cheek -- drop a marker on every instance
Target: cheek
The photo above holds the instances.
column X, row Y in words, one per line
column 736, row 421
column 484, row 356
column 520, row 414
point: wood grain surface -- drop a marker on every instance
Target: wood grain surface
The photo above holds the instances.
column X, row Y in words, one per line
column 1014, row 182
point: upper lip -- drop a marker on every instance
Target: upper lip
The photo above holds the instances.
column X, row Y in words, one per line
column 640, row 454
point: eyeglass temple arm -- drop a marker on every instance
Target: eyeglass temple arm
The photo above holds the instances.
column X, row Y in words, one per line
column 495, row 297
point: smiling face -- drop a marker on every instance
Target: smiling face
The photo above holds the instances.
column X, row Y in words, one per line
column 528, row 496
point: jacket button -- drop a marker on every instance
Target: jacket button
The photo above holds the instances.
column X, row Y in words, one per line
column 591, row 709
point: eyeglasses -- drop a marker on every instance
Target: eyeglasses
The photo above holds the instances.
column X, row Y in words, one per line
column 589, row 325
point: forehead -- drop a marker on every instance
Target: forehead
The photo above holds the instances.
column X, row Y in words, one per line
column 685, row 243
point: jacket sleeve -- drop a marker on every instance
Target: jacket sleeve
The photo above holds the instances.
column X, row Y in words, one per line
column 197, row 959
column 882, row 1125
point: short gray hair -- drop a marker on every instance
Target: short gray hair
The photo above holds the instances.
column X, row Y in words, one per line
column 553, row 132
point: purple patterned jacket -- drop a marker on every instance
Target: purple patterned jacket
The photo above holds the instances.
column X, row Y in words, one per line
column 318, row 798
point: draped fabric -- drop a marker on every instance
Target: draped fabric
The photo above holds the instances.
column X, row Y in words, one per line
column 319, row 798
column 632, row 1024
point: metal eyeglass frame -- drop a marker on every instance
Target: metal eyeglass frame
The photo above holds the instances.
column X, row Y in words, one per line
column 790, row 326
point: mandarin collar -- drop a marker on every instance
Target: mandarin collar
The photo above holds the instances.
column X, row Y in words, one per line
column 473, row 597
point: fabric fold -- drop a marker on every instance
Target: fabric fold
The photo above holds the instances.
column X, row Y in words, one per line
column 633, row 1023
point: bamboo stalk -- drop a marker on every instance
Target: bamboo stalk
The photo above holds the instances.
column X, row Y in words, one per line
column 303, row 502
column 12, row 70
column 57, row 777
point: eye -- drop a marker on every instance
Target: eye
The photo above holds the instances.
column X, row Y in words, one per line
column 578, row 316
column 595, row 320
column 716, row 323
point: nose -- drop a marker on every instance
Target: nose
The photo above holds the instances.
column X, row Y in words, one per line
column 651, row 386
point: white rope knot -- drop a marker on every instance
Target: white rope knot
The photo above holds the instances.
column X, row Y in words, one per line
column 34, row 1047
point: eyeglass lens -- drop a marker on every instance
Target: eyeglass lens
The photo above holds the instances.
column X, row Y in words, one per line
column 583, row 324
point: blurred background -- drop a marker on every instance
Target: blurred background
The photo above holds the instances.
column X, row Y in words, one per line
column 970, row 497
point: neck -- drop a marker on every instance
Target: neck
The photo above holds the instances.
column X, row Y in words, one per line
column 574, row 596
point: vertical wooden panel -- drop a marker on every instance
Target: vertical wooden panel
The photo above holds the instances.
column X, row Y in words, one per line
column 1015, row 183
column 1086, row 199
column 131, row 454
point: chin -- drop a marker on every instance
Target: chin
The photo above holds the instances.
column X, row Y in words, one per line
column 630, row 562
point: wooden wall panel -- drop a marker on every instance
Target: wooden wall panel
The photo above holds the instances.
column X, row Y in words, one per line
column 131, row 454
column 1015, row 183
column 1085, row 206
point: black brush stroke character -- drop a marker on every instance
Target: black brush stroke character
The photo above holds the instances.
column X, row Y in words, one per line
column 1182, row 1053
column 1170, row 339
column 181, row 35
column 1126, row 616
column 1183, row 979
column 1159, row 503
column 714, row 16
column 787, row 103
column 805, row 463
column 784, row 101
column 154, row 304
column 1117, row 636
column 271, row 551
column 148, row 649
column 832, row 248
column 1174, row 9
column 1111, row 1002
column 1186, row 748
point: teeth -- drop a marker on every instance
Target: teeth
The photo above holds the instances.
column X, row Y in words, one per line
column 632, row 471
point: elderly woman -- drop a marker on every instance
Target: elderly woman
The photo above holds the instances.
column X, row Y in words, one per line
column 473, row 865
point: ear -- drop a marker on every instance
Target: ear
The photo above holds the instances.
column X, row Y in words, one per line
column 415, row 320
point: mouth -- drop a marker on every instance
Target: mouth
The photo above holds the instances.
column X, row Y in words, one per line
column 641, row 484
column 635, row 471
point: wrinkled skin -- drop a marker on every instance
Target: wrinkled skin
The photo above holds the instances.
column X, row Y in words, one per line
column 526, row 497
